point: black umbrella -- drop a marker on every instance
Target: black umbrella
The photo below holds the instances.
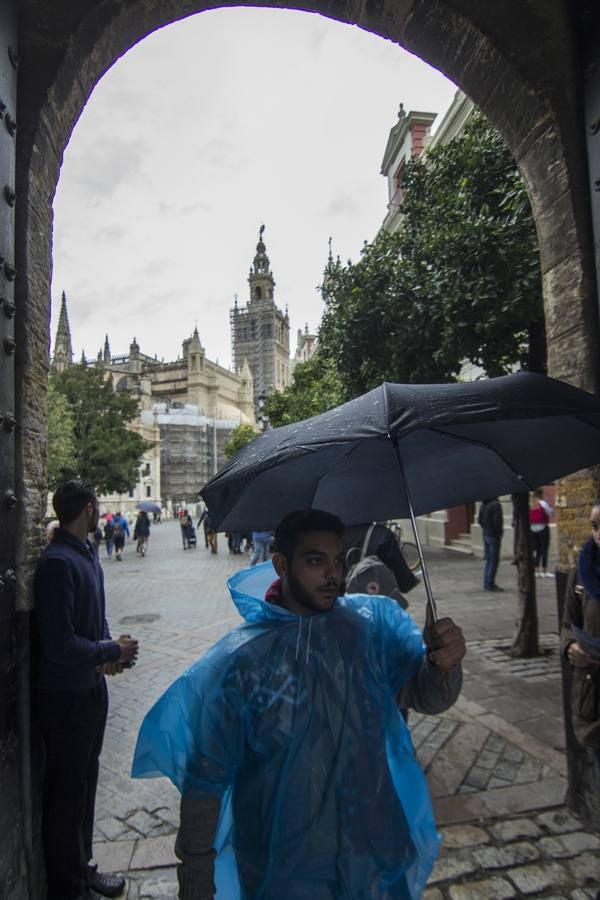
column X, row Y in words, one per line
column 148, row 506
column 404, row 450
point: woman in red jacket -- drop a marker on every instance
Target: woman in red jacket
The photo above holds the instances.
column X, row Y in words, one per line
column 540, row 514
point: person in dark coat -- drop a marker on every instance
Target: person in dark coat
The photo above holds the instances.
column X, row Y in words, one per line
column 580, row 628
column 109, row 535
column 491, row 520
column 141, row 532
column 187, row 526
column 73, row 650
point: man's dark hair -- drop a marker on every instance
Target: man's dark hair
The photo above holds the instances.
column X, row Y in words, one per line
column 70, row 498
column 302, row 522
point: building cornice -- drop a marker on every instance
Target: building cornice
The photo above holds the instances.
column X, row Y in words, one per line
column 399, row 133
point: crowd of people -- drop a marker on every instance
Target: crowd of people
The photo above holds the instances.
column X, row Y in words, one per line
column 289, row 741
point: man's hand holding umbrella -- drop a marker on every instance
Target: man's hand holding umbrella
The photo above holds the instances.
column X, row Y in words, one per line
column 445, row 642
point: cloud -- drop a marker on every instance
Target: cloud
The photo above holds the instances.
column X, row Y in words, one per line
column 200, row 206
column 185, row 209
column 109, row 234
column 342, row 204
column 218, row 152
column 103, row 167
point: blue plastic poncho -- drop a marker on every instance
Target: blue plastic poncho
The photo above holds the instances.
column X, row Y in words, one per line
column 292, row 721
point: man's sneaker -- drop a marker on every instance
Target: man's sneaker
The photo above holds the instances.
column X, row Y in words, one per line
column 494, row 587
column 107, row 885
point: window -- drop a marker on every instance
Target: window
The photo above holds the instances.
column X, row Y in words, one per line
column 148, row 490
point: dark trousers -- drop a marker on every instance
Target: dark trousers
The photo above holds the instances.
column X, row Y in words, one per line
column 491, row 545
column 72, row 725
column 541, row 544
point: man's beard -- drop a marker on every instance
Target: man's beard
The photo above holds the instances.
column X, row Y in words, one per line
column 302, row 596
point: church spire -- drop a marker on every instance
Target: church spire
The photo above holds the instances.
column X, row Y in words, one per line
column 106, row 354
column 63, row 350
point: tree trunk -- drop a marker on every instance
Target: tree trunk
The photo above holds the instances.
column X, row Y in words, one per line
column 537, row 348
column 525, row 636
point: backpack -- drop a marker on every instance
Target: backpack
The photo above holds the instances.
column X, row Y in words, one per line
column 118, row 529
column 371, row 576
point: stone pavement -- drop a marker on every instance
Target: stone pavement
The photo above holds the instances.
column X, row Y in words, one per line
column 494, row 762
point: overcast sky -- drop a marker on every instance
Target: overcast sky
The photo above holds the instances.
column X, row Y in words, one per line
column 197, row 136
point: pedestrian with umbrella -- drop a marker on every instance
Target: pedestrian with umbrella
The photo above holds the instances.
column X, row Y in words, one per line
column 292, row 713
column 141, row 532
column 287, row 742
column 401, row 450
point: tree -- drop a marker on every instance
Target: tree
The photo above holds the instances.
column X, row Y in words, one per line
column 315, row 388
column 460, row 281
column 240, row 436
column 104, row 451
column 61, row 438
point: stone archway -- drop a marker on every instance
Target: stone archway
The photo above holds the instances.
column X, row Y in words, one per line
column 518, row 62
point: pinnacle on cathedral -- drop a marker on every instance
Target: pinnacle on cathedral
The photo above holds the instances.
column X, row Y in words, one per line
column 63, row 350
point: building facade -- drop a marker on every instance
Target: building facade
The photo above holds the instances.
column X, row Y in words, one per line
column 406, row 139
column 188, row 409
column 260, row 331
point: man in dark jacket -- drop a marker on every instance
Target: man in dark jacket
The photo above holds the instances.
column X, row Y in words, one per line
column 580, row 639
column 491, row 520
column 74, row 650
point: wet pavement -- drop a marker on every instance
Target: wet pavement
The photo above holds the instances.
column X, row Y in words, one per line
column 495, row 762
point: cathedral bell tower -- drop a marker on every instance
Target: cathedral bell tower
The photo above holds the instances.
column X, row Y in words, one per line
column 260, row 332
column 260, row 279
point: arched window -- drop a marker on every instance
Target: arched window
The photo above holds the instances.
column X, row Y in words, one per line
column 258, row 293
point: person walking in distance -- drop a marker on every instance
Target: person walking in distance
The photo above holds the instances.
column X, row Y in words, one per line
column 491, row 521
column 109, row 538
column 141, row 532
column 186, row 524
column 540, row 513
column 261, row 541
column 73, row 650
column 121, row 529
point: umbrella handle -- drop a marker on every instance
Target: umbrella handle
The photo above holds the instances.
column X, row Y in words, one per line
column 431, row 604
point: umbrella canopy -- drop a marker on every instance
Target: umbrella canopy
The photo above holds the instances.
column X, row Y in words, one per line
column 450, row 444
column 148, row 506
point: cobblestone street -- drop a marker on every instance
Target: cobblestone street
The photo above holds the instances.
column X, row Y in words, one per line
column 495, row 762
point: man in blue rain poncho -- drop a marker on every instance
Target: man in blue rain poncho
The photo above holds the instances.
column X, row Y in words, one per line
column 296, row 769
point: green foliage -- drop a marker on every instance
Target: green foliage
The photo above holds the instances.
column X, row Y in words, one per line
column 315, row 388
column 103, row 450
column 61, row 438
column 461, row 281
column 240, row 436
